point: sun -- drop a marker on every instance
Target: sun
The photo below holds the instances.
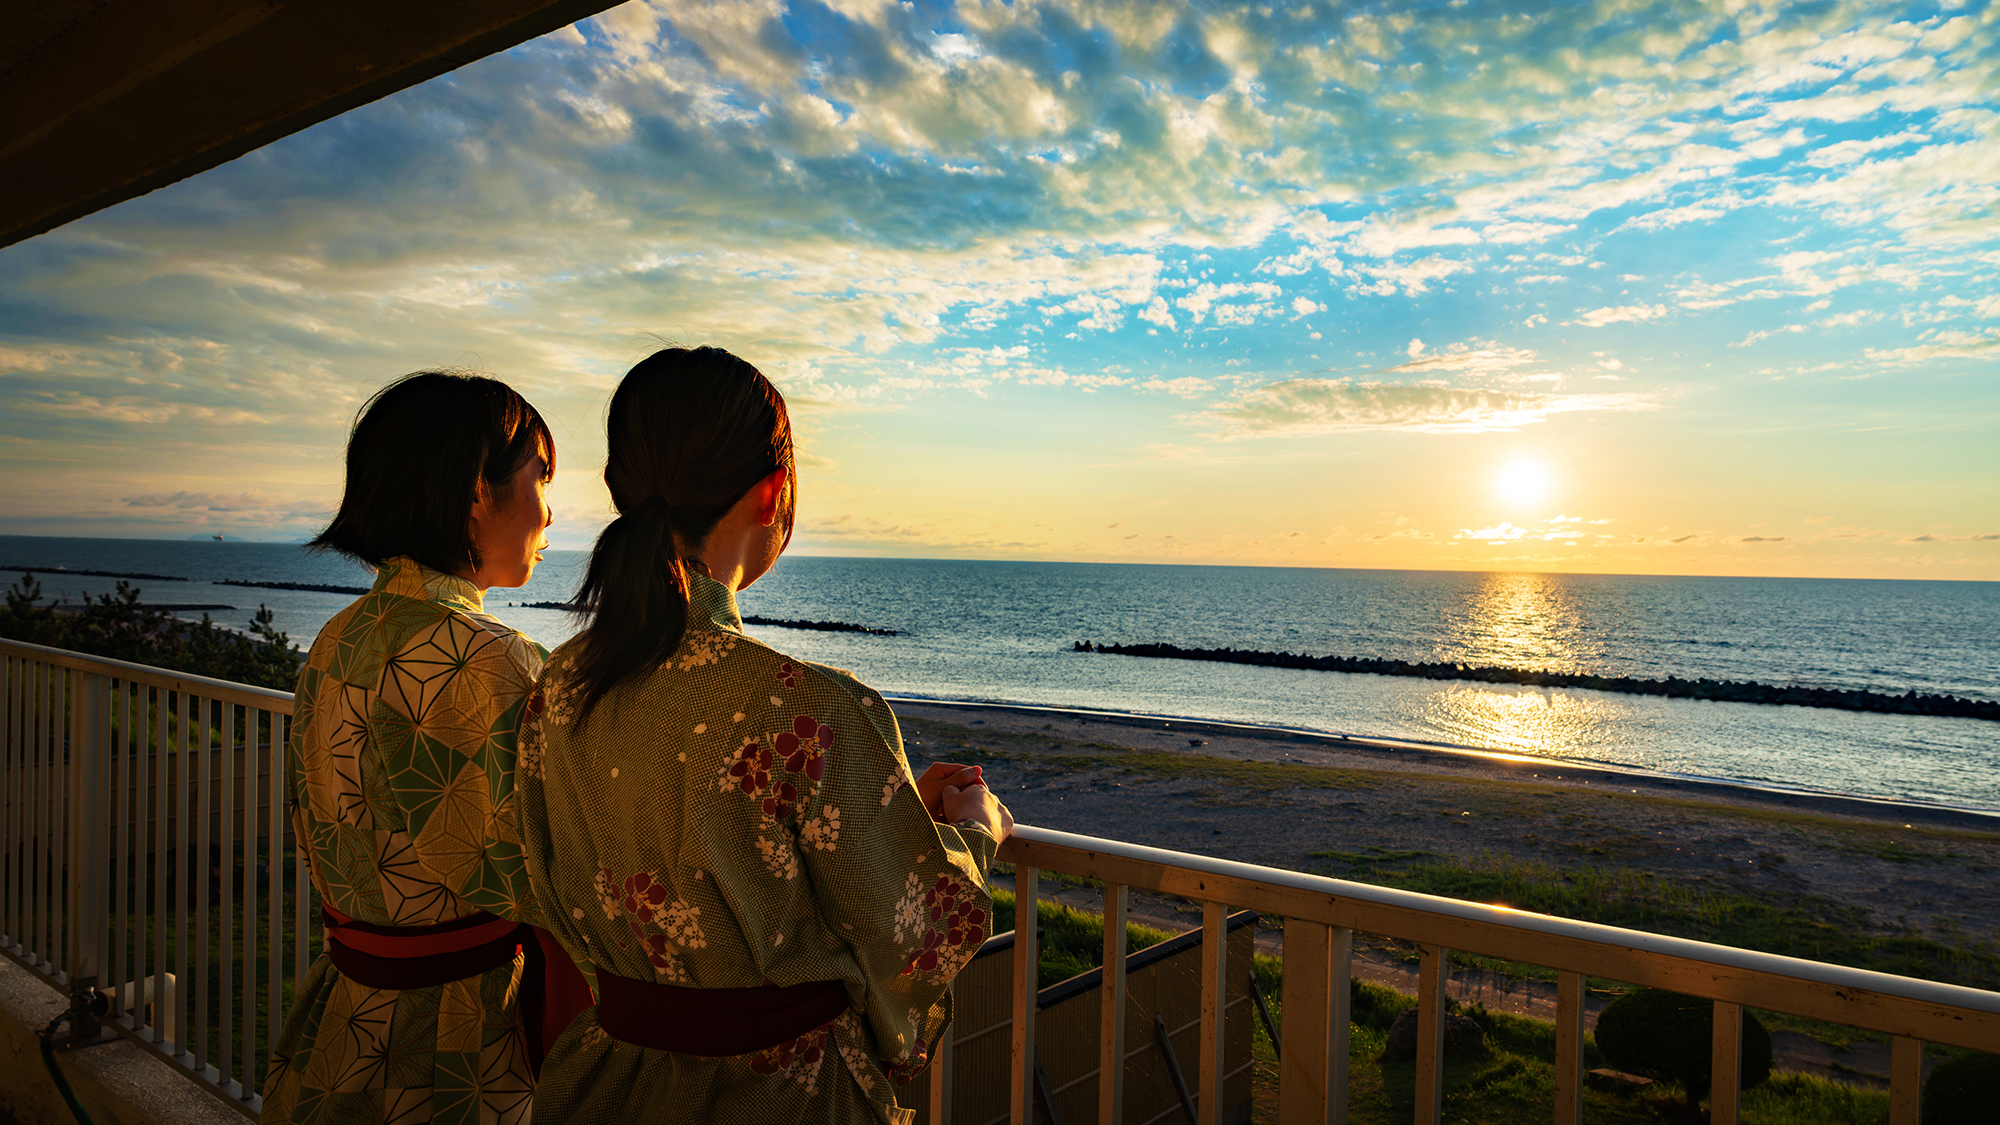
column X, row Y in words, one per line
column 1522, row 482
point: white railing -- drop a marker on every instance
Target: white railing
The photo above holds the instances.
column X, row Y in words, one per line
column 1322, row 914
column 122, row 785
column 136, row 808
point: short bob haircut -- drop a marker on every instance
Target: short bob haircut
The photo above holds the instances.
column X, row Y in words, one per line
column 418, row 450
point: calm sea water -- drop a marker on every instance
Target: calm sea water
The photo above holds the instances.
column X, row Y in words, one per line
column 1002, row 632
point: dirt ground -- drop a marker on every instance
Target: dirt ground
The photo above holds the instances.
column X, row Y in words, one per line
column 1212, row 789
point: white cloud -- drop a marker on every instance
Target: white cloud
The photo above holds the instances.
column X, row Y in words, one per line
column 1847, row 152
column 1318, row 406
column 1463, row 359
column 1765, row 334
column 1598, row 318
column 1944, row 345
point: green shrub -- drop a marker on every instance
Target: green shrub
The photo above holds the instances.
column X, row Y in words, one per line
column 1964, row 1091
column 118, row 627
column 1668, row 1036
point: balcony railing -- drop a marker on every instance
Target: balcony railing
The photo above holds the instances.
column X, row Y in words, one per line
column 135, row 805
column 144, row 852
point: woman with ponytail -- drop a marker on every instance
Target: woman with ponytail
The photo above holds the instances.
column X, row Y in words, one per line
column 731, row 839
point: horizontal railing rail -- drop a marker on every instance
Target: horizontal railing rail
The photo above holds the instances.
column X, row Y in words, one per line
column 135, row 803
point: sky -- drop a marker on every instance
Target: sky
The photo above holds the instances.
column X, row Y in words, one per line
column 1627, row 287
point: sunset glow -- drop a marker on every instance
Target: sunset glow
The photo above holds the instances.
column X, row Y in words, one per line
column 1522, row 484
column 1719, row 284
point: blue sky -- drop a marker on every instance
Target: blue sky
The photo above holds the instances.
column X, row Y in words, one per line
column 1639, row 287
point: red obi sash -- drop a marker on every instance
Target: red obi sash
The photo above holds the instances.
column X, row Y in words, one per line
column 406, row 957
column 714, row 1022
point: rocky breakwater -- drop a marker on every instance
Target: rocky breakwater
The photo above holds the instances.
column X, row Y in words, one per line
column 1674, row 687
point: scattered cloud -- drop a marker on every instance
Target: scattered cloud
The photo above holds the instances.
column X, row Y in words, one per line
column 1317, row 406
column 1598, row 318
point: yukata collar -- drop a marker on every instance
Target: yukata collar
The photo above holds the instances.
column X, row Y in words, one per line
column 406, row 576
column 711, row 605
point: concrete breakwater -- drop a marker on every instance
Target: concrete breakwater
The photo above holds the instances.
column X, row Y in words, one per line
column 1676, row 687
column 750, row 619
column 64, row 572
column 310, row 587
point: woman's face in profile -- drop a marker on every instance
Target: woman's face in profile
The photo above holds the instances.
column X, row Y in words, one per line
column 510, row 533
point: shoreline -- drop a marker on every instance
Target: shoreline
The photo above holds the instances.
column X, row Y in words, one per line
column 1400, row 754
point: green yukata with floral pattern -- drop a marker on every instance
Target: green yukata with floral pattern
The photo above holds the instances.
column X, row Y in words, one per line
column 401, row 777
column 734, row 818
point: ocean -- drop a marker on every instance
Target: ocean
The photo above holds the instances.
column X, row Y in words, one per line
column 1004, row 632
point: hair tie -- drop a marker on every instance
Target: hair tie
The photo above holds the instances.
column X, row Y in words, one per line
column 655, row 504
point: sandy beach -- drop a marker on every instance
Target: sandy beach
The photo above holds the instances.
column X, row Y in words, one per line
column 1319, row 803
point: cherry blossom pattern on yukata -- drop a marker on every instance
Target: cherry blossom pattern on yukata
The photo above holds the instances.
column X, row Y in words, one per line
column 797, row 1059
column 555, row 701
column 896, row 781
column 700, row 648
column 903, row 1070
column 860, row 1064
column 805, row 747
column 822, row 832
column 528, row 751
column 781, row 859
column 953, row 920
column 789, row 673
column 748, row 770
column 675, row 926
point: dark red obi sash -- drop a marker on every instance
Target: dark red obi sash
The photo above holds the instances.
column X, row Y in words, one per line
column 714, row 1022
column 553, row 992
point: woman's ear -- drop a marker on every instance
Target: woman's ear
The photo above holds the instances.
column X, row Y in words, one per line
column 482, row 499
column 770, row 495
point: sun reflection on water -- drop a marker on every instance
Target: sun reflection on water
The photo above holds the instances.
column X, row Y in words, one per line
column 1554, row 724
column 1520, row 621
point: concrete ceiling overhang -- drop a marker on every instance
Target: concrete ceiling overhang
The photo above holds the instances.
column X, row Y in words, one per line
column 104, row 100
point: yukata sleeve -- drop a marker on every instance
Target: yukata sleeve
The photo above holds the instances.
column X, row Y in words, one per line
column 906, row 893
column 455, row 693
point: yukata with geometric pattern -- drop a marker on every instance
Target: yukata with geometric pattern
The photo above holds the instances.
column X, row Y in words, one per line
column 732, row 818
column 401, row 765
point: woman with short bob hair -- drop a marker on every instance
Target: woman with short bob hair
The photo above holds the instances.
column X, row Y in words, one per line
column 401, row 776
column 772, row 905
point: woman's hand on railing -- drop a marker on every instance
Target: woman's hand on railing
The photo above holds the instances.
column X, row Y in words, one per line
column 977, row 804
column 930, row 786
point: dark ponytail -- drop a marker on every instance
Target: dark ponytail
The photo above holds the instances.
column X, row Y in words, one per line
column 688, row 434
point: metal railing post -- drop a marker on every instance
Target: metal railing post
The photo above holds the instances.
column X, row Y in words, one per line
column 1431, row 972
column 1214, row 982
column 1027, row 976
column 225, row 903
column 10, row 798
column 1906, row 1081
column 940, row 1080
column 274, row 1015
column 163, row 760
column 1304, row 1063
column 1112, row 999
column 1569, row 1048
column 85, row 855
column 123, row 753
column 1725, row 1063
column 202, row 810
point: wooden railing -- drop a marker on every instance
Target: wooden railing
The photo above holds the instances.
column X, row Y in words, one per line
column 122, row 784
